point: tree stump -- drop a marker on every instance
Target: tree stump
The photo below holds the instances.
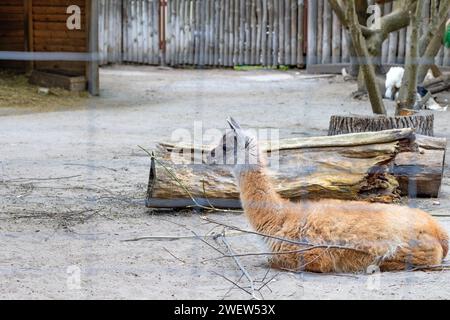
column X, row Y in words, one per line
column 422, row 123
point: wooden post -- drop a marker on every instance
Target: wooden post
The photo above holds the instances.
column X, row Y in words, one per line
column 93, row 73
column 294, row 32
column 337, row 40
column 264, row 33
column 385, row 45
column 327, row 30
column 28, row 30
column 319, row 38
column 312, row 32
column 300, row 33
column 259, row 32
column 270, row 14
column 276, row 33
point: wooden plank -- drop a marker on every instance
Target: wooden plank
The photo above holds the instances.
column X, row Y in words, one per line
column 336, row 40
column 401, row 46
column 236, row 32
column 270, row 15
column 320, row 22
column 327, row 31
column 207, row 30
column 301, row 33
column 253, row 33
column 312, row 33
column 281, row 32
column 221, row 60
column 345, row 46
column 276, row 33
column 157, row 52
column 385, row 47
column 58, row 80
column 294, row 31
column 230, row 33
column 226, row 34
column 93, row 68
column 287, row 32
column 264, row 22
column 217, row 15
column 145, row 33
column 247, row 56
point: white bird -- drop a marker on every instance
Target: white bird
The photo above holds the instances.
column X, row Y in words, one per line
column 393, row 81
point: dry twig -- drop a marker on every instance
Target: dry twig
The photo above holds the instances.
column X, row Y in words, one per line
column 239, row 264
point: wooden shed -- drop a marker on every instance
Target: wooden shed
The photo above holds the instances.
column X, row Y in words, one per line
column 38, row 35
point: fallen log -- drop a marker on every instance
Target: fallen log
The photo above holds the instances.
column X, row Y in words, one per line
column 359, row 166
column 420, row 173
column 437, row 85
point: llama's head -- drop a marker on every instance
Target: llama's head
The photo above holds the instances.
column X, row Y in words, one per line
column 237, row 148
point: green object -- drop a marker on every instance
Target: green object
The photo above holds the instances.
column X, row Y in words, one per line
column 447, row 37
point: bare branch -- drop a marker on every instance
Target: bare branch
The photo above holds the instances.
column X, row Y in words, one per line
column 239, row 264
column 407, row 97
column 365, row 61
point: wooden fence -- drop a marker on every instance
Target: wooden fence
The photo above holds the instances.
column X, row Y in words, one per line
column 234, row 32
column 110, row 31
column 203, row 32
column 327, row 39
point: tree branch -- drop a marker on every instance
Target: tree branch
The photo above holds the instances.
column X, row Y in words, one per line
column 365, row 61
column 407, row 96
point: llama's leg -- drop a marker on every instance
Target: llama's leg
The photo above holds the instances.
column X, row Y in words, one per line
column 339, row 260
column 427, row 253
column 312, row 261
column 393, row 266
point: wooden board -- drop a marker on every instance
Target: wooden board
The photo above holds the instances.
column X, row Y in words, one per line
column 57, row 79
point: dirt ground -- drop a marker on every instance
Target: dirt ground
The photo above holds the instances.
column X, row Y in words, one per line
column 73, row 183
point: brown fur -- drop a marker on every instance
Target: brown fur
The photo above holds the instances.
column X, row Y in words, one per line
column 390, row 236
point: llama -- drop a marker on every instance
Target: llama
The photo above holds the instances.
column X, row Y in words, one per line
column 391, row 237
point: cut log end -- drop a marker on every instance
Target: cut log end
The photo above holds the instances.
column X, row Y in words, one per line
column 422, row 123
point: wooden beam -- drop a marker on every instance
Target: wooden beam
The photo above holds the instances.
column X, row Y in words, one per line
column 28, row 30
column 93, row 64
column 312, row 32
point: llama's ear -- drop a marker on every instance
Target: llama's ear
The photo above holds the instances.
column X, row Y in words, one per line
column 233, row 124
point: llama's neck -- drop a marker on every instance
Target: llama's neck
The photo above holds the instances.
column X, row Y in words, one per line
column 260, row 201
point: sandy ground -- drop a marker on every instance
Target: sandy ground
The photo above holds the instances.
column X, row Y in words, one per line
column 72, row 185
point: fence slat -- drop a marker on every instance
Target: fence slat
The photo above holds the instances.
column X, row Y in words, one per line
column 270, row 17
column 326, row 47
column 336, row 55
